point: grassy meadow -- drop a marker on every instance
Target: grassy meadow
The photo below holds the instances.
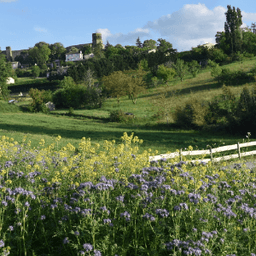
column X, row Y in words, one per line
column 94, row 124
column 78, row 184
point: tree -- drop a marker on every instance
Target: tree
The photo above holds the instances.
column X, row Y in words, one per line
column 114, row 84
column 194, row 68
column 233, row 32
column 57, row 51
column 111, row 51
column 73, row 50
column 221, row 42
column 149, row 44
column 5, row 70
column 165, row 73
column 249, row 42
column 35, row 71
column 217, row 55
column 163, row 45
column 181, row 68
column 163, row 104
column 134, row 84
column 67, row 82
column 107, row 45
column 138, row 43
column 87, row 49
column 98, row 52
column 143, row 64
column 40, row 53
column 88, row 78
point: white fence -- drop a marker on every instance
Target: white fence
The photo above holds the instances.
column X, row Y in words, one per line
column 210, row 152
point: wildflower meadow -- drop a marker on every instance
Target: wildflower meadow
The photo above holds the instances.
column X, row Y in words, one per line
column 113, row 201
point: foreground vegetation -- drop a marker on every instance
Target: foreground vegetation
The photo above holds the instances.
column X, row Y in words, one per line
column 58, row 202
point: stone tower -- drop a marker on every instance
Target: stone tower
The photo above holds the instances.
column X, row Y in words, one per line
column 9, row 53
column 96, row 39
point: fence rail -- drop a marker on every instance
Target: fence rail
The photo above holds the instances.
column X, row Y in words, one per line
column 210, row 152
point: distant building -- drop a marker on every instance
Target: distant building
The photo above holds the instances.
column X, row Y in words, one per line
column 15, row 64
column 10, row 80
column 153, row 50
column 88, row 56
column 208, row 45
column 74, row 56
column 96, row 39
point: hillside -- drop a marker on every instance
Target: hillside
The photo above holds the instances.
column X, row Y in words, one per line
column 149, row 127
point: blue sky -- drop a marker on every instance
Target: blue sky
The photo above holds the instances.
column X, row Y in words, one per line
column 185, row 24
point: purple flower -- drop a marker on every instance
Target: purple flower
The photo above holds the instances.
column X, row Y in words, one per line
column 120, row 198
column 88, row 247
column 27, row 204
column 97, row 253
column 65, row 241
column 10, row 228
column 222, row 240
column 106, row 221
column 1, row 243
column 43, row 217
column 8, row 164
column 126, row 214
column 77, row 233
column 149, row 216
column 162, row 212
column 4, row 203
column 144, row 187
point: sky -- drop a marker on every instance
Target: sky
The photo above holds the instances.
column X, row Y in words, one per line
column 185, row 24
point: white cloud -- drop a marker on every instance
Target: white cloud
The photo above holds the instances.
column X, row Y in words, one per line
column 193, row 24
column 251, row 17
column 38, row 29
column 7, row 1
column 188, row 27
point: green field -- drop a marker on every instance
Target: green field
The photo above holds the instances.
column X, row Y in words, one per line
column 156, row 134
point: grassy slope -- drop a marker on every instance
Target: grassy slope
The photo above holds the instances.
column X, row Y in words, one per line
column 94, row 124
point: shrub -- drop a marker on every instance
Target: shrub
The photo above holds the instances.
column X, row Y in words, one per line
column 165, row 73
column 71, row 111
column 73, row 96
column 68, row 81
column 192, row 115
column 39, row 97
column 237, row 56
column 154, row 81
column 217, row 55
column 93, row 97
column 116, row 116
column 194, row 68
column 229, row 77
column 221, row 108
column 216, row 71
column 35, row 71
column 58, row 98
column 246, row 110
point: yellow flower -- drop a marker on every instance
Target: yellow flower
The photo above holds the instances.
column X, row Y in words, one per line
column 8, row 182
column 190, row 148
column 28, row 166
column 58, row 138
column 36, row 166
column 3, row 172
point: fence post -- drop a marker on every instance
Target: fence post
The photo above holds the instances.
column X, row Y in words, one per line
column 181, row 154
column 211, row 153
column 238, row 149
